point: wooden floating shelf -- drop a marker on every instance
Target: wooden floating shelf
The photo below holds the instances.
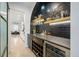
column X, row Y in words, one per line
column 38, row 20
column 57, row 20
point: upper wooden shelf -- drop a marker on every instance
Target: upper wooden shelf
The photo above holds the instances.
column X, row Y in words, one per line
column 57, row 20
column 37, row 21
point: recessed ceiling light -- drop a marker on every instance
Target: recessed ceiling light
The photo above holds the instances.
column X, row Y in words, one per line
column 48, row 10
column 43, row 7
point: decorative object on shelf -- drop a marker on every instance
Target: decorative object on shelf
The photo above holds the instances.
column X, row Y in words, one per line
column 38, row 20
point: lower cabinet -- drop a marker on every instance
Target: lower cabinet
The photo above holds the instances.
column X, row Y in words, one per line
column 43, row 48
column 37, row 47
column 54, row 50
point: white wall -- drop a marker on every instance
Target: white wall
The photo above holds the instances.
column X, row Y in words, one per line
column 27, row 20
column 25, row 8
column 75, row 29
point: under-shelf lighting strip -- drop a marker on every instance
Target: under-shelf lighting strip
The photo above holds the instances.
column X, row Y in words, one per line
column 57, row 23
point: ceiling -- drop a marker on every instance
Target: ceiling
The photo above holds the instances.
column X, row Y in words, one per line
column 22, row 5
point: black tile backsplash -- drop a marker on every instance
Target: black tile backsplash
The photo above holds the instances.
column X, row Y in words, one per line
column 62, row 30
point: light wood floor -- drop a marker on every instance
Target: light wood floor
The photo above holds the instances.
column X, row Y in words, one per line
column 17, row 49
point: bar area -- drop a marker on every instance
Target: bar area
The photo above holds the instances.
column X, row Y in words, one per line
column 50, row 29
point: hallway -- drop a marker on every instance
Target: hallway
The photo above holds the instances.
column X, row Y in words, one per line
column 17, row 49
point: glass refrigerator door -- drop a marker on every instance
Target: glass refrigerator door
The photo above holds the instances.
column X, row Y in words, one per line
column 3, row 28
column 3, row 40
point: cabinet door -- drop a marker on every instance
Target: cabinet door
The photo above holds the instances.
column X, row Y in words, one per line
column 30, row 41
column 54, row 50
